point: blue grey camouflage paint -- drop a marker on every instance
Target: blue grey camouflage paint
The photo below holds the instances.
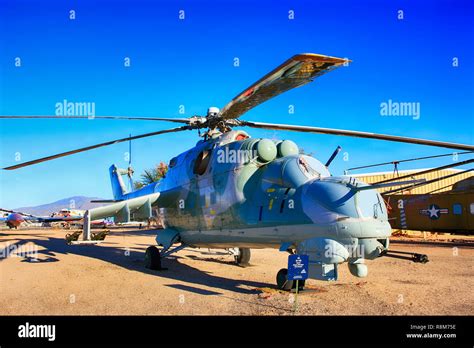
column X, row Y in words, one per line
column 258, row 193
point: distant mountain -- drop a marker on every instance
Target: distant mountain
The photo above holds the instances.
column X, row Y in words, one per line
column 76, row 202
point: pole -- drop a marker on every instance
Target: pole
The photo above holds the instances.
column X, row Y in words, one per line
column 296, row 296
column 86, row 226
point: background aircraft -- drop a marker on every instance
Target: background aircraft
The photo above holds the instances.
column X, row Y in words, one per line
column 14, row 219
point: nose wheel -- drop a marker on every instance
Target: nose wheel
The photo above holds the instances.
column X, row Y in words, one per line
column 153, row 258
column 287, row 285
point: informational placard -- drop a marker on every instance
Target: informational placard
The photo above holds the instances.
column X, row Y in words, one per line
column 298, row 267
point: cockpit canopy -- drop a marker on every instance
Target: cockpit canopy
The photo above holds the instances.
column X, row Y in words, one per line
column 293, row 171
column 341, row 195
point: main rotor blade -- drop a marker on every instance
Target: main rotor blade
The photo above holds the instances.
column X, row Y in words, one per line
column 358, row 134
column 178, row 120
column 296, row 71
column 63, row 154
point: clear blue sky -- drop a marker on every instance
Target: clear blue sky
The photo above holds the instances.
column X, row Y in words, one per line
column 190, row 62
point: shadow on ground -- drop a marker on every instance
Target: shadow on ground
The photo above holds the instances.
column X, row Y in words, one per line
column 132, row 259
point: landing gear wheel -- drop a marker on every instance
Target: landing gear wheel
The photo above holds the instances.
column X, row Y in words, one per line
column 300, row 285
column 243, row 256
column 153, row 258
column 284, row 284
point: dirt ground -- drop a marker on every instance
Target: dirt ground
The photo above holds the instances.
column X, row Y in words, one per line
column 41, row 274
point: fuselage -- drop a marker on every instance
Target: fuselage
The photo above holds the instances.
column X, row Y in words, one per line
column 237, row 191
column 14, row 220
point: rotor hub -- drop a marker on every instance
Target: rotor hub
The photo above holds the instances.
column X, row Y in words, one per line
column 212, row 111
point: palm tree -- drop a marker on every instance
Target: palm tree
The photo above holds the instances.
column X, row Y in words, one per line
column 152, row 175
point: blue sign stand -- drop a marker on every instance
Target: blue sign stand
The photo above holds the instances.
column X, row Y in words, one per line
column 297, row 270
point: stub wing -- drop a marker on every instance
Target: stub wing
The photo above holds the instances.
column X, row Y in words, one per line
column 140, row 207
column 296, row 71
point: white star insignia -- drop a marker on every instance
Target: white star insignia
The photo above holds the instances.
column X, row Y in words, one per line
column 433, row 211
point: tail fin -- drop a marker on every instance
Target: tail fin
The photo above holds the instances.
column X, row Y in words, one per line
column 118, row 186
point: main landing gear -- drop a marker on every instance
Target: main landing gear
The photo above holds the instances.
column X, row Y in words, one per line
column 153, row 256
column 241, row 255
column 284, row 284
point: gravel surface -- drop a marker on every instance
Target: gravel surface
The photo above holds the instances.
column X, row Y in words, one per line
column 40, row 274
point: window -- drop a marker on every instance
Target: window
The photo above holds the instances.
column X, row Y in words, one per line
column 173, row 162
column 457, row 209
column 472, row 208
column 307, row 169
column 202, row 161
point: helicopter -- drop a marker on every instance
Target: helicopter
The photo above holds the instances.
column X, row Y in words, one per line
column 235, row 192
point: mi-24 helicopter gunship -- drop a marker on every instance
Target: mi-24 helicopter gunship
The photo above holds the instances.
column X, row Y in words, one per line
column 235, row 192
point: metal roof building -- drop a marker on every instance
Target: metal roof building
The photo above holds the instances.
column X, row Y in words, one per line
column 435, row 187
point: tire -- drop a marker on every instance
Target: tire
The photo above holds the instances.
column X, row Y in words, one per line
column 282, row 282
column 243, row 257
column 300, row 285
column 153, row 258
